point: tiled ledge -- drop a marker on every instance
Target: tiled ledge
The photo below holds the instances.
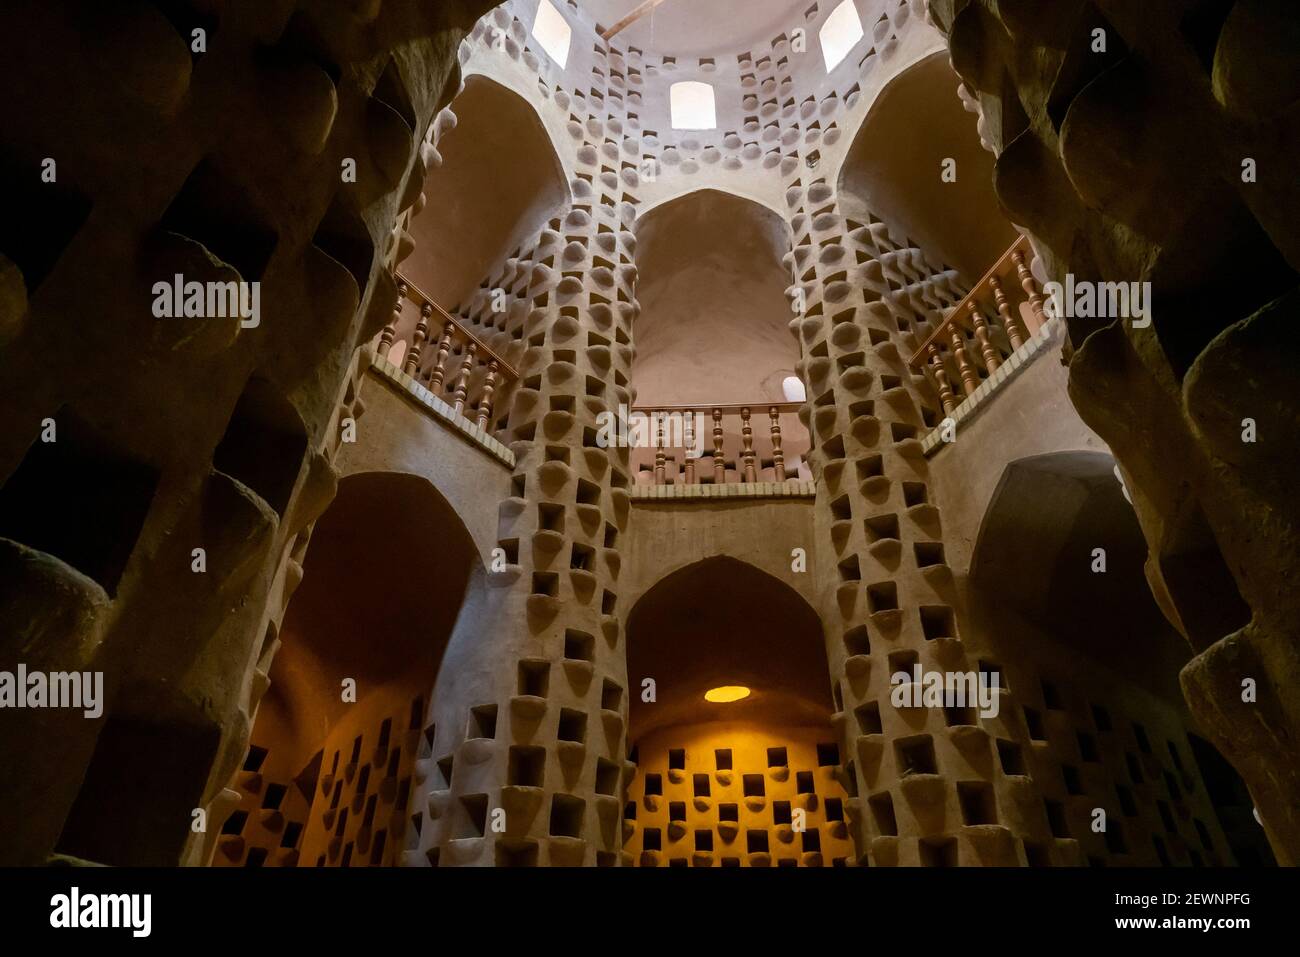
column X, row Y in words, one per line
column 1018, row 360
column 656, row 493
column 430, row 403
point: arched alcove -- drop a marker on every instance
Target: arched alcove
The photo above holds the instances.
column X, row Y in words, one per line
column 713, row 328
column 1093, row 666
column 717, row 782
column 1036, row 552
column 893, row 169
column 384, row 579
column 500, row 181
column 714, row 320
column 722, row 621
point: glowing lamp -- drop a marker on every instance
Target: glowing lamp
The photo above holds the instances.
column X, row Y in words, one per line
column 726, row 694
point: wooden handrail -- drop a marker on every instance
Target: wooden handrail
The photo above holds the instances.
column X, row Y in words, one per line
column 1003, row 267
column 724, row 407
column 416, row 295
column 996, row 319
column 748, row 462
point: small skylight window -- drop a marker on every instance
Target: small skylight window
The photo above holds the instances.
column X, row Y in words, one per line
column 553, row 32
column 839, row 34
column 793, row 388
column 692, row 106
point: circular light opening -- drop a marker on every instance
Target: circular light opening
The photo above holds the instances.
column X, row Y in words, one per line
column 726, row 693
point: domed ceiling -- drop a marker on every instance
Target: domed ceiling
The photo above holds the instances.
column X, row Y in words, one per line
column 697, row 28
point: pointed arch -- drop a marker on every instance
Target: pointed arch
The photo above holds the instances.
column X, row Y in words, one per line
column 361, row 644
column 500, row 182
column 1037, row 550
column 722, row 621
column 893, row 168
column 714, row 317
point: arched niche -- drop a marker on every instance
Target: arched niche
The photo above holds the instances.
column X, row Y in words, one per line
column 384, row 580
column 893, row 169
column 713, row 327
column 714, row 320
column 1035, row 554
column 753, row 782
column 722, row 621
column 500, row 181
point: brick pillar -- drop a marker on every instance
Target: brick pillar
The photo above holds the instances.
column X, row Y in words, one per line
column 530, row 719
column 928, row 785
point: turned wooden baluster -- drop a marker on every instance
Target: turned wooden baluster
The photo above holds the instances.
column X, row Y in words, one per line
column 660, row 458
column 462, row 381
column 1031, row 290
column 440, row 362
column 417, row 342
column 778, row 456
column 946, row 397
column 970, row 379
column 747, row 436
column 987, row 350
column 688, row 433
column 719, row 466
column 1015, row 332
column 390, row 331
column 485, row 401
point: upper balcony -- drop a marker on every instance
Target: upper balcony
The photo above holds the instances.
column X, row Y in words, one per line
column 446, row 367
column 983, row 341
column 714, row 388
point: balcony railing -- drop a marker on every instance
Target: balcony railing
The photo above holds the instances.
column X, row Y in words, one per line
column 1000, row 314
column 454, row 364
column 722, row 443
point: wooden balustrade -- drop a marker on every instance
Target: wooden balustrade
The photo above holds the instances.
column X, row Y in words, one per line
column 460, row 368
column 735, row 452
column 1000, row 314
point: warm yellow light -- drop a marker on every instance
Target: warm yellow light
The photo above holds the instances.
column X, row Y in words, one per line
column 726, row 693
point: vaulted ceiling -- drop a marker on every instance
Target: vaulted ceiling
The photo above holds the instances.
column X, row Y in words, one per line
column 894, row 170
column 500, row 181
column 714, row 322
column 724, row 622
